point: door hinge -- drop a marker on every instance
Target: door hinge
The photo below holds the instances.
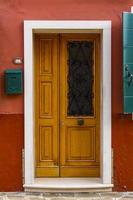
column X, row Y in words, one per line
column 23, row 163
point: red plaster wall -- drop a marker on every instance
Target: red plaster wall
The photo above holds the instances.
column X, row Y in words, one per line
column 11, row 144
column 12, row 15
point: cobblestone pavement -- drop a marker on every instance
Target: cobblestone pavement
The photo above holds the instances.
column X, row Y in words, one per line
column 67, row 196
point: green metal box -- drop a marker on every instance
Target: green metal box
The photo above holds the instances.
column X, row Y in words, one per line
column 13, row 81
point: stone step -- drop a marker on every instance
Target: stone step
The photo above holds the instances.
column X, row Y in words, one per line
column 66, row 196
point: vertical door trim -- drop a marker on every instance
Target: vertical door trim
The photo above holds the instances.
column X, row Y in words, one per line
column 103, row 27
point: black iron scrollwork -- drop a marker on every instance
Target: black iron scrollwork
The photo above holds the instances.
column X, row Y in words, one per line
column 80, row 78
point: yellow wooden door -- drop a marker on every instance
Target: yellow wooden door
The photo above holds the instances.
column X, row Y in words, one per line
column 67, row 102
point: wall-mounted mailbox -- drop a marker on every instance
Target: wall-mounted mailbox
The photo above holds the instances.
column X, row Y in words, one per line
column 13, row 81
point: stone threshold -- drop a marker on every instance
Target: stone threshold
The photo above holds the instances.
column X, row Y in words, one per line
column 68, row 185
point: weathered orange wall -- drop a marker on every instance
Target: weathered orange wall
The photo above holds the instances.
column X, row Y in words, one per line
column 12, row 15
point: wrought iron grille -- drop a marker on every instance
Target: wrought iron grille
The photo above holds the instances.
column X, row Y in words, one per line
column 80, row 78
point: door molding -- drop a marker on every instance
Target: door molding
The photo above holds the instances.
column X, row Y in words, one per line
column 60, row 26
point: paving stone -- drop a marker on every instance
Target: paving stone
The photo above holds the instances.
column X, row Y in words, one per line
column 67, row 194
column 15, row 198
column 89, row 198
column 127, row 198
column 111, row 194
column 63, row 198
column 86, row 194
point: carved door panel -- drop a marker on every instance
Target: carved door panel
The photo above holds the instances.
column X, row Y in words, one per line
column 67, row 105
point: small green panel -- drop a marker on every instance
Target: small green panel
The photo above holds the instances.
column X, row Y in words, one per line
column 128, row 104
column 128, row 37
column 127, row 20
column 128, row 55
column 13, row 81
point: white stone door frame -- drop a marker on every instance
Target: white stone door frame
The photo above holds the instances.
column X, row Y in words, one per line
column 60, row 26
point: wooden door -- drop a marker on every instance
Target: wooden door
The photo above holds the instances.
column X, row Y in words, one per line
column 67, row 102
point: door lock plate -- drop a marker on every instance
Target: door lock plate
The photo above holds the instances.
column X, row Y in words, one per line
column 80, row 122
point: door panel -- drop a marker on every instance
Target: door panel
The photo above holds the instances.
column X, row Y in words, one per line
column 46, row 103
column 79, row 100
column 67, row 105
column 46, row 99
column 81, row 146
